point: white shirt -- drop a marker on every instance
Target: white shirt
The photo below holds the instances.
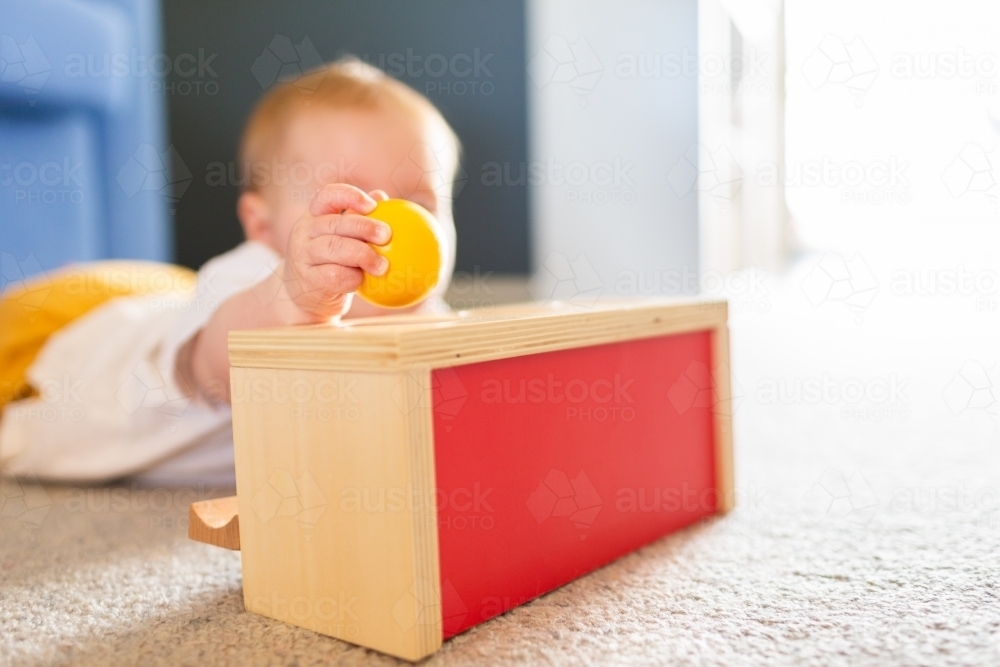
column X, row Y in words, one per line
column 108, row 403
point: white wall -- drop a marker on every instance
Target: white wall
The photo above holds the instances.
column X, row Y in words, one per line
column 590, row 113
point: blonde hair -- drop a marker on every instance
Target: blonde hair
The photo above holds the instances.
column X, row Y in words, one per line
column 347, row 83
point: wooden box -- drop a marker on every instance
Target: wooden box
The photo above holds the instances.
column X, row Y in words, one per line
column 400, row 480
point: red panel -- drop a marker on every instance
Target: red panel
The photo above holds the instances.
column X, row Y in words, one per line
column 551, row 465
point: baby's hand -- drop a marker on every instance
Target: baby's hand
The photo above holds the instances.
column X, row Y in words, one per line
column 328, row 251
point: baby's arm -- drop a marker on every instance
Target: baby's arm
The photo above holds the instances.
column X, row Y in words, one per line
column 327, row 256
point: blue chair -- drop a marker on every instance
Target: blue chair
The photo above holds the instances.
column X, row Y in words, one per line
column 84, row 167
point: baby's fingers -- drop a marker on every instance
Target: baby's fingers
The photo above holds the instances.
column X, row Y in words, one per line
column 352, row 226
column 337, row 197
column 336, row 280
column 344, row 251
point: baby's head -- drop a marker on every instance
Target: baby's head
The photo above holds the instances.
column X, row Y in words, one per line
column 345, row 122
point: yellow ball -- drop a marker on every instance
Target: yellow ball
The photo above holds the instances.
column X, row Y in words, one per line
column 414, row 255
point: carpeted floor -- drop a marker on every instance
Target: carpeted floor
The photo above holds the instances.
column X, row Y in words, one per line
column 867, row 532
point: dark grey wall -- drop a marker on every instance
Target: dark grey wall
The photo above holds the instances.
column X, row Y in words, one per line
column 211, row 89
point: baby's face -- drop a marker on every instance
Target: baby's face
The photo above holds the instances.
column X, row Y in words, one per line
column 384, row 149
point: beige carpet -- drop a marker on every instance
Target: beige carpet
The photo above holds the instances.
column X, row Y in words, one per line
column 868, row 530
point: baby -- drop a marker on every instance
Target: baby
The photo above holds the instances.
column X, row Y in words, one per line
column 150, row 376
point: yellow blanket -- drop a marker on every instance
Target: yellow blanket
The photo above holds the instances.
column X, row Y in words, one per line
column 34, row 309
